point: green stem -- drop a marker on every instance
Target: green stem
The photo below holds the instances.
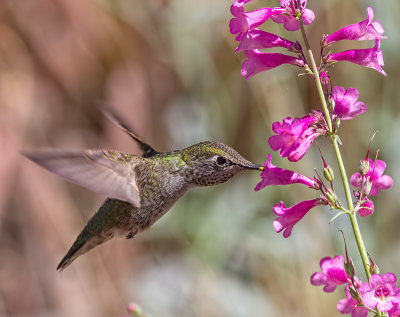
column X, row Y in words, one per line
column 352, row 214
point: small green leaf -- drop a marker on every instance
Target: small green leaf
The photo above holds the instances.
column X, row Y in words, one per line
column 336, row 216
column 338, row 139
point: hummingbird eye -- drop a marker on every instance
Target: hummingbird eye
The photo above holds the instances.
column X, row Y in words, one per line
column 221, row 160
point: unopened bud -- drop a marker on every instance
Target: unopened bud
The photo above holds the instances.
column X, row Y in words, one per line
column 367, row 187
column 331, row 196
column 364, row 167
column 373, row 268
column 328, row 173
column 323, row 41
column 349, row 268
column 336, row 123
column 134, row 309
column 331, row 103
column 354, row 294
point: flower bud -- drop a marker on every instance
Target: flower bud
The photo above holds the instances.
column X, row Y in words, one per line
column 331, row 103
column 364, row 167
column 323, row 41
column 349, row 268
column 373, row 268
column 331, row 196
column 328, row 173
column 336, row 123
column 354, row 294
column 367, row 187
column 134, row 309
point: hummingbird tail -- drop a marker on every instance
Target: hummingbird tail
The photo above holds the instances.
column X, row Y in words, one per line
column 81, row 246
column 107, row 222
column 70, row 256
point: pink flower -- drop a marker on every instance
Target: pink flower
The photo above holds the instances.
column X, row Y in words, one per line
column 364, row 30
column 325, row 78
column 332, row 275
column 135, row 309
column 243, row 21
column 294, row 136
column 395, row 311
column 288, row 217
column 374, row 176
column 382, row 292
column 367, row 208
column 370, row 57
column 346, row 104
column 349, row 305
column 288, row 17
column 272, row 175
column 257, row 62
column 257, row 39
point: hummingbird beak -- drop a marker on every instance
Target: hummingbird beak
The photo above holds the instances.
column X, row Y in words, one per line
column 254, row 167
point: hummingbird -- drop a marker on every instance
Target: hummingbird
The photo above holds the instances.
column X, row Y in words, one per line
column 139, row 189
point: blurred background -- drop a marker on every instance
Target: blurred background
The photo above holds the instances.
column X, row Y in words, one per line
column 169, row 68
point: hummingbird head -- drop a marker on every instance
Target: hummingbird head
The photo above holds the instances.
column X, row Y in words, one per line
column 210, row 163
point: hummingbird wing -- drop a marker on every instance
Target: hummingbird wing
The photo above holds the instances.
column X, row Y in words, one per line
column 148, row 151
column 105, row 172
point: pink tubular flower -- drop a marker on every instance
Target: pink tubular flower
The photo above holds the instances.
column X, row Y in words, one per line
column 395, row 311
column 294, row 136
column 369, row 57
column 288, row 217
column 272, row 175
column 346, row 104
column 257, row 39
column 382, row 293
column 243, row 21
column 350, row 306
column 364, row 30
column 288, row 17
column 332, row 275
column 325, row 78
column 374, row 176
column 257, row 62
column 367, row 208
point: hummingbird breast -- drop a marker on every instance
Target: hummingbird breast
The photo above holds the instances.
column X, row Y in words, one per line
column 161, row 182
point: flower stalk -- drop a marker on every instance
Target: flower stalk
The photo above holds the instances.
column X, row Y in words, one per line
column 294, row 136
column 351, row 212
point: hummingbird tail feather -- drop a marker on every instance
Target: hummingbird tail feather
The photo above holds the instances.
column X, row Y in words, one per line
column 80, row 247
column 69, row 257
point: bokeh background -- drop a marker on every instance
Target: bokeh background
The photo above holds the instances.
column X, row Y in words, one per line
column 169, row 68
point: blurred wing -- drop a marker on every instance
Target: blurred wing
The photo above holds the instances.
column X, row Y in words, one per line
column 105, row 172
column 148, row 151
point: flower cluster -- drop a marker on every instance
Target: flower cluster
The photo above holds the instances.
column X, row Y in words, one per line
column 364, row 30
column 293, row 138
column 370, row 179
column 288, row 217
column 379, row 293
column 245, row 24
